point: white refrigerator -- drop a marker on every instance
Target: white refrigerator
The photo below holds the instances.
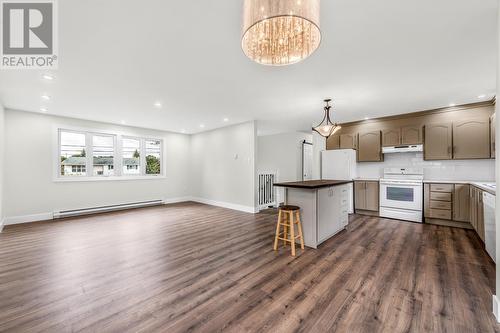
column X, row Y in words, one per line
column 340, row 164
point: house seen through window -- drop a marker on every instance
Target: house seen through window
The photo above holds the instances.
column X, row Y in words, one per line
column 73, row 154
column 87, row 154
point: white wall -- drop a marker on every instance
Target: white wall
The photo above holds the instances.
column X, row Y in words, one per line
column 496, row 304
column 281, row 154
column 478, row 170
column 29, row 169
column 223, row 166
column 2, row 148
column 319, row 144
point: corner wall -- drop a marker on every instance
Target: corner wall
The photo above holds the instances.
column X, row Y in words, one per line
column 223, row 167
column 282, row 154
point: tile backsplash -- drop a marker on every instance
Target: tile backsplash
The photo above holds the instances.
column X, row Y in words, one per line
column 477, row 170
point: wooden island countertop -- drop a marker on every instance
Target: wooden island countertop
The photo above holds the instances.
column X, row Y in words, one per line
column 313, row 184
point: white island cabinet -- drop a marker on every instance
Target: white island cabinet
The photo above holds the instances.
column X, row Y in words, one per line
column 324, row 207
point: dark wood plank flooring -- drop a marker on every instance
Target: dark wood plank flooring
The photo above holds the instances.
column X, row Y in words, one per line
column 196, row 268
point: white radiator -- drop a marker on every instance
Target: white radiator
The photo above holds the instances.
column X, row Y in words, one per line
column 267, row 195
column 102, row 209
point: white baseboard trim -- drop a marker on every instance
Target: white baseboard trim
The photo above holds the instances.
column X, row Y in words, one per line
column 28, row 218
column 176, row 200
column 495, row 308
column 50, row 216
column 242, row 208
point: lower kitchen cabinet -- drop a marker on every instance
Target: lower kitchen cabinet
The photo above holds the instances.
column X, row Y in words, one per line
column 492, row 135
column 476, row 210
column 366, row 195
column 447, row 204
column 461, row 203
column 438, row 202
column 456, row 205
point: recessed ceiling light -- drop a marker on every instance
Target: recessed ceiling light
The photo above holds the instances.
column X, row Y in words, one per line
column 157, row 105
column 122, row 122
column 366, row 118
column 46, row 97
column 183, row 130
column 43, row 110
column 452, row 104
column 225, row 120
column 202, row 125
column 481, row 96
column 48, row 77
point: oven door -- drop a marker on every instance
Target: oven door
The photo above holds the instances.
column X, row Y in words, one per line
column 401, row 195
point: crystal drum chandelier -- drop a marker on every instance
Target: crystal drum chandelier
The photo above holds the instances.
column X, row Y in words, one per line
column 326, row 128
column 280, row 32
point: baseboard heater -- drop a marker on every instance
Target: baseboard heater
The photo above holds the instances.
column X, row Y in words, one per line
column 102, row 209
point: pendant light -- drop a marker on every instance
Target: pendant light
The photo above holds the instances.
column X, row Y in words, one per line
column 326, row 128
column 280, row 32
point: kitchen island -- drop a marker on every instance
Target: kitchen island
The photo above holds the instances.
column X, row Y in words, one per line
column 324, row 207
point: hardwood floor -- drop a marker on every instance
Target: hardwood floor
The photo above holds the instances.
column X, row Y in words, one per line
column 192, row 267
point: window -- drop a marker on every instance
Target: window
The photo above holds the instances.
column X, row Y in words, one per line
column 78, row 169
column 94, row 156
column 131, row 160
column 153, row 157
column 103, row 151
column 400, row 194
column 72, row 154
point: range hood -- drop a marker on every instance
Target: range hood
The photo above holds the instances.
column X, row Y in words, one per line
column 402, row 149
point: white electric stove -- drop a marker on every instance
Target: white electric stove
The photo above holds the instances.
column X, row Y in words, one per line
column 401, row 194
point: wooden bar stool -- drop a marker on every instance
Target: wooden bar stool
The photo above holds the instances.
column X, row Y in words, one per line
column 287, row 220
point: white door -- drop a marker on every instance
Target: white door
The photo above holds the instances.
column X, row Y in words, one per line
column 307, row 161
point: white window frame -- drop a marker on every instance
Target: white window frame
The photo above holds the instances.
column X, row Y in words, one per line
column 117, row 155
column 90, row 136
column 161, row 156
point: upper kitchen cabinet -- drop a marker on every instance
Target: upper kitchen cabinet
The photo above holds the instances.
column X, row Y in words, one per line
column 411, row 135
column 492, row 135
column 471, row 138
column 333, row 142
column 348, row 141
column 438, row 141
column 391, row 137
column 369, row 147
column 406, row 135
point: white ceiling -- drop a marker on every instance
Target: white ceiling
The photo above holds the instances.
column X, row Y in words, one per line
column 117, row 57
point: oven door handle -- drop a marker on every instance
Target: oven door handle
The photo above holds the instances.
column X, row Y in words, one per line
column 400, row 183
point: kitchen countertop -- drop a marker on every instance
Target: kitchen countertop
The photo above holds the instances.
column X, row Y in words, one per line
column 439, row 181
column 313, row 184
column 367, row 179
column 483, row 185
